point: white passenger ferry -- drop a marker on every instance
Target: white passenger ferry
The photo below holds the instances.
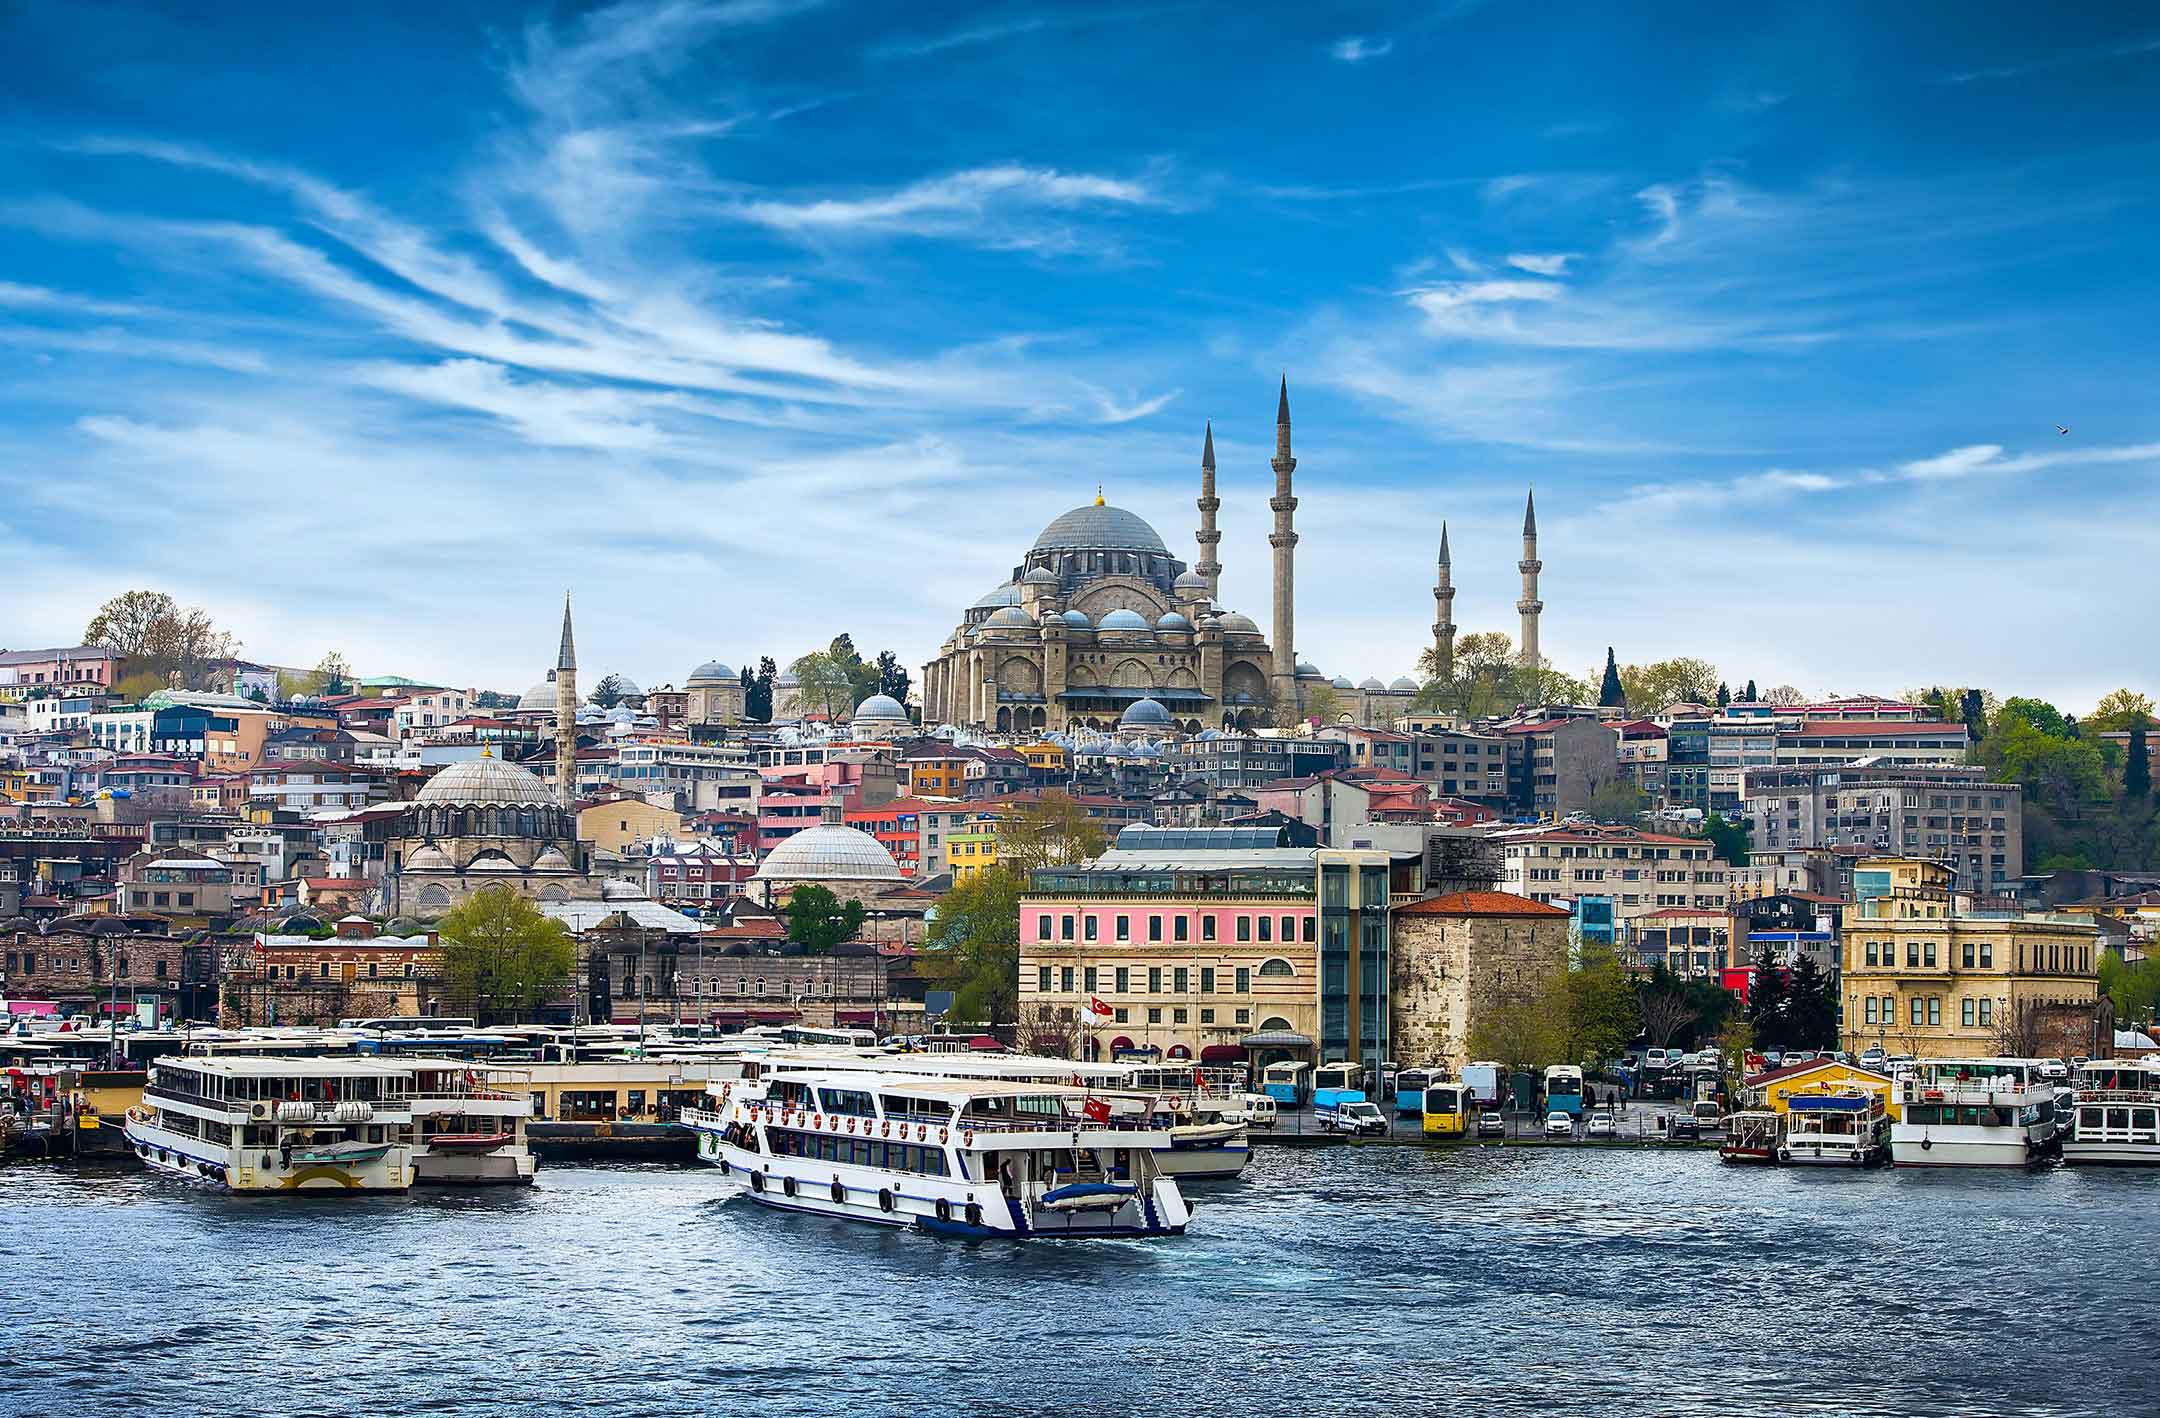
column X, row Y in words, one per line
column 1973, row 1113
column 955, row 1156
column 250, row 1124
column 1200, row 1111
column 2116, row 1114
column 1835, row 1128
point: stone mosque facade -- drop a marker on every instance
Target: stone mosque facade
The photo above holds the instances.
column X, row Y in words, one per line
column 1099, row 616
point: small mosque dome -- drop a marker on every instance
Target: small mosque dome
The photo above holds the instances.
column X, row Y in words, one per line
column 1173, row 621
column 1145, row 714
column 880, row 710
column 1342, row 682
column 1371, row 682
column 711, row 672
column 1039, row 576
column 1240, row 622
column 1122, row 619
column 1403, row 684
column 1078, row 620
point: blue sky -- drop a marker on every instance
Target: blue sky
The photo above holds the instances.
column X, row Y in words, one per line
column 756, row 321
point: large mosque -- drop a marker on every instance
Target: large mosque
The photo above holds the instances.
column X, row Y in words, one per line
column 1099, row 625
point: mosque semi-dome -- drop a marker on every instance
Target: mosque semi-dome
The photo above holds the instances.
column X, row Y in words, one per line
column 485, row 780
column 1145, row 714
column 1100, row 527
column 1005, row 595
column 1010, row 615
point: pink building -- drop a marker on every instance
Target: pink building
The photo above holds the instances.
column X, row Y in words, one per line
column 78, row 667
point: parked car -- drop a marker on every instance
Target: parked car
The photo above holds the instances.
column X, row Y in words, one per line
column 1260, row 1111
column 1874, row 1057
column 1706, row 1113
column 1683, row 1128
column 1356, row 1119
column 1560, row 1125
column 1601, row 1125
column 2054, row 1070
column 1491, row 1125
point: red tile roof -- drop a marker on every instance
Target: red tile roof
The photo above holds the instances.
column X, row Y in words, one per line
column 1480, row 903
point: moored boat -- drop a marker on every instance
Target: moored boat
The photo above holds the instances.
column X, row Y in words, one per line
column 2115, row 1119
column 1752, row 1136
column 1979, row 1112
column 953, row 1156
column 252, row 1124
column 1835, row 1128
column 469, row 1124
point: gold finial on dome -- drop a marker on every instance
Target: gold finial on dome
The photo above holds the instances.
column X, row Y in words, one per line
column 1098, row 496
column 486, row 752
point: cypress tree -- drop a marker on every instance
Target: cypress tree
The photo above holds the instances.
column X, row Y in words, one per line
column 1610, row 694
column 1724, row 695
column 1748, row 694
column 1766, row 1003
column 2137, row 771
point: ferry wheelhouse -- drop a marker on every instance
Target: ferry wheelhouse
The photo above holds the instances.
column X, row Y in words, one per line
column 2116, row 1114
column 954, row 1156
column 1973, row 1113
column 255, row 1124
column 1837, row 1128
column 469, row 1124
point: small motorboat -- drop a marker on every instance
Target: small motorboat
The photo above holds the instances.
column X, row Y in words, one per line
column 1089, row 1196
column 341, row 1154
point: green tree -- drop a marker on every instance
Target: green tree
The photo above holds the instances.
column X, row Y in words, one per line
column 892, row 676
column 133, row 687
column 2137, row 766
column 1603, row 1016
column 1050, row 831
column 1610, row 694
column 610, row 692
column 2133, row 987
column 2119, row 709
column 1810, row 1007
column 1747, row 696
column 1524, row 1034
column 1666, row 1008
column 973, row 947
column 2038, row 713
column 1322, row 704
column 824, row 684
column 1729, row 839
column 1479, row 682
column 1542, row 684
column 1650, row 688
column 1724, row 695
column 502, row 958
column 818, row 920
column 1766, row 1002
column 757, row 690
column 152, row 633
column 1616, row 800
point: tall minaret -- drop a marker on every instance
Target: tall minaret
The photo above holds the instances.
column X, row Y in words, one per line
column 1284, row 540
column 1529, row 605
column 1443, row 631
column 1209, row 538
column 566, row 715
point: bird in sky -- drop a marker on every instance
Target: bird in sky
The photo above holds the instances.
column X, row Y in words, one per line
column 2059, row 428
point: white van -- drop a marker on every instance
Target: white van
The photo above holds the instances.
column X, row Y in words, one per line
column 1260, row 1111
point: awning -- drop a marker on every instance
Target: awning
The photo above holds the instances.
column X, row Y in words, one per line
column 1276, row 1039
column 1122, row 1041
column 984, row 1044
column 1179, row 1051
column 1222, row 1053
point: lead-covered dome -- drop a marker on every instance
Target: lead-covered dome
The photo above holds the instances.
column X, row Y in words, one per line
column 880, row 709
column 1100, row 527
column 486, row 780
column 829, row 853
column 1145, row 714
column 540, row 696
column 1122, row 619
column 1402, row 684
column 711, row 672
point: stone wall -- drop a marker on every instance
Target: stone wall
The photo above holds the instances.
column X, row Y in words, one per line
column 1449, row 970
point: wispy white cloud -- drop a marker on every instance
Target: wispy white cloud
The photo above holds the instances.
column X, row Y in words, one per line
column 1114, row 411
column 1553, row 263
column 974, row 205
column 2100, row 53
column 1357, row 48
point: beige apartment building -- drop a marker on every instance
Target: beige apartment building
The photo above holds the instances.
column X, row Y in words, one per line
column 1926, row 973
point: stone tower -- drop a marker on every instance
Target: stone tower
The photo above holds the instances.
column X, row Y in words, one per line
column 1529, row 605
column 566, row 715
column 1284, row 540
column 1209, row 538
column 1443, row 630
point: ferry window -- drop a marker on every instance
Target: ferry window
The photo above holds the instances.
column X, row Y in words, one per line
column 2118, row 1117
column 539, row 1104
column 1244, row 980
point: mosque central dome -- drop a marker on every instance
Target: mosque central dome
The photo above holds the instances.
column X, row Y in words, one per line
column 1099, row 527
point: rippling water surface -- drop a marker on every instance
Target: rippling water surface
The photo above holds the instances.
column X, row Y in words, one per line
column 1356, row 1281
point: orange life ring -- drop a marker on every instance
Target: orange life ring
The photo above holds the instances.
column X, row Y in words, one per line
column 886, row 1131
column 851, row 1125
column 922, row 1130
column 967, row 1139
column 943, row 1134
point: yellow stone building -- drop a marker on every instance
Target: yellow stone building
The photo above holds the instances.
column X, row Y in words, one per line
column 1927, row 973
column 619, row 825
column 971, row 852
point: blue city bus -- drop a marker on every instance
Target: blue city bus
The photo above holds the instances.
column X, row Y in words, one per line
column 1563, row 1089
column 1285, row 1081
column 1334, row 1084
column 1410, row 1086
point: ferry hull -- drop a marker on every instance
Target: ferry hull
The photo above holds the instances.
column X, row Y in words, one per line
column 1947, row 1148
column 2111, row 1154
column 468, row 1169
column 1223, row 1162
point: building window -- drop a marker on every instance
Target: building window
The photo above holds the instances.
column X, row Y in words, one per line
column 1277, row 968
column 1092, row 979
column 1089, row 926
column 1065, row 928
column 1154, row 1015
column 1871, row 1009
column 1042, row 979
column 1929, row 949
column 1154, row 979
column 1871, row 954
column 1180, row 980
column 1207, row 979
column 1124, row 928
column 1987, row 1013
column 1267, row 928
column 1118, row 1014
column 1207, row 1016
column 1934, row 1009
column 1244, row 928
column 1912, row 955
column 1124, row 980
column 1042, row 928
column 1289, row 929
column 1967, row 1010
column 1244, row 984
column 1177, row 1016
column 1154, row 929
column 1987, row 956
column 1244, row 1016
column 1308, row 933
column 1919, row 1010
column 1065, row 979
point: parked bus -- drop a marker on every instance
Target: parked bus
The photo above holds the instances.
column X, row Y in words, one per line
column 1484, row 1080
column 1410, row 1086
column 1334, row 1084
column 1287, row 1083
column 1563, row 1089
column 1448, row 1108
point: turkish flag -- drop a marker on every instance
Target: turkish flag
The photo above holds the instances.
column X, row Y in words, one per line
column 1096, row 1110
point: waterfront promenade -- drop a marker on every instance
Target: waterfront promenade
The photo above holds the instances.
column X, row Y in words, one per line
column 1397, row 1280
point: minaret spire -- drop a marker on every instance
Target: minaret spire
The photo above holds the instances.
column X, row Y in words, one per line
column 1209, row 538
column 1444, row 624
column 1284, row 541
column 566, row 700
column 1529, row 606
